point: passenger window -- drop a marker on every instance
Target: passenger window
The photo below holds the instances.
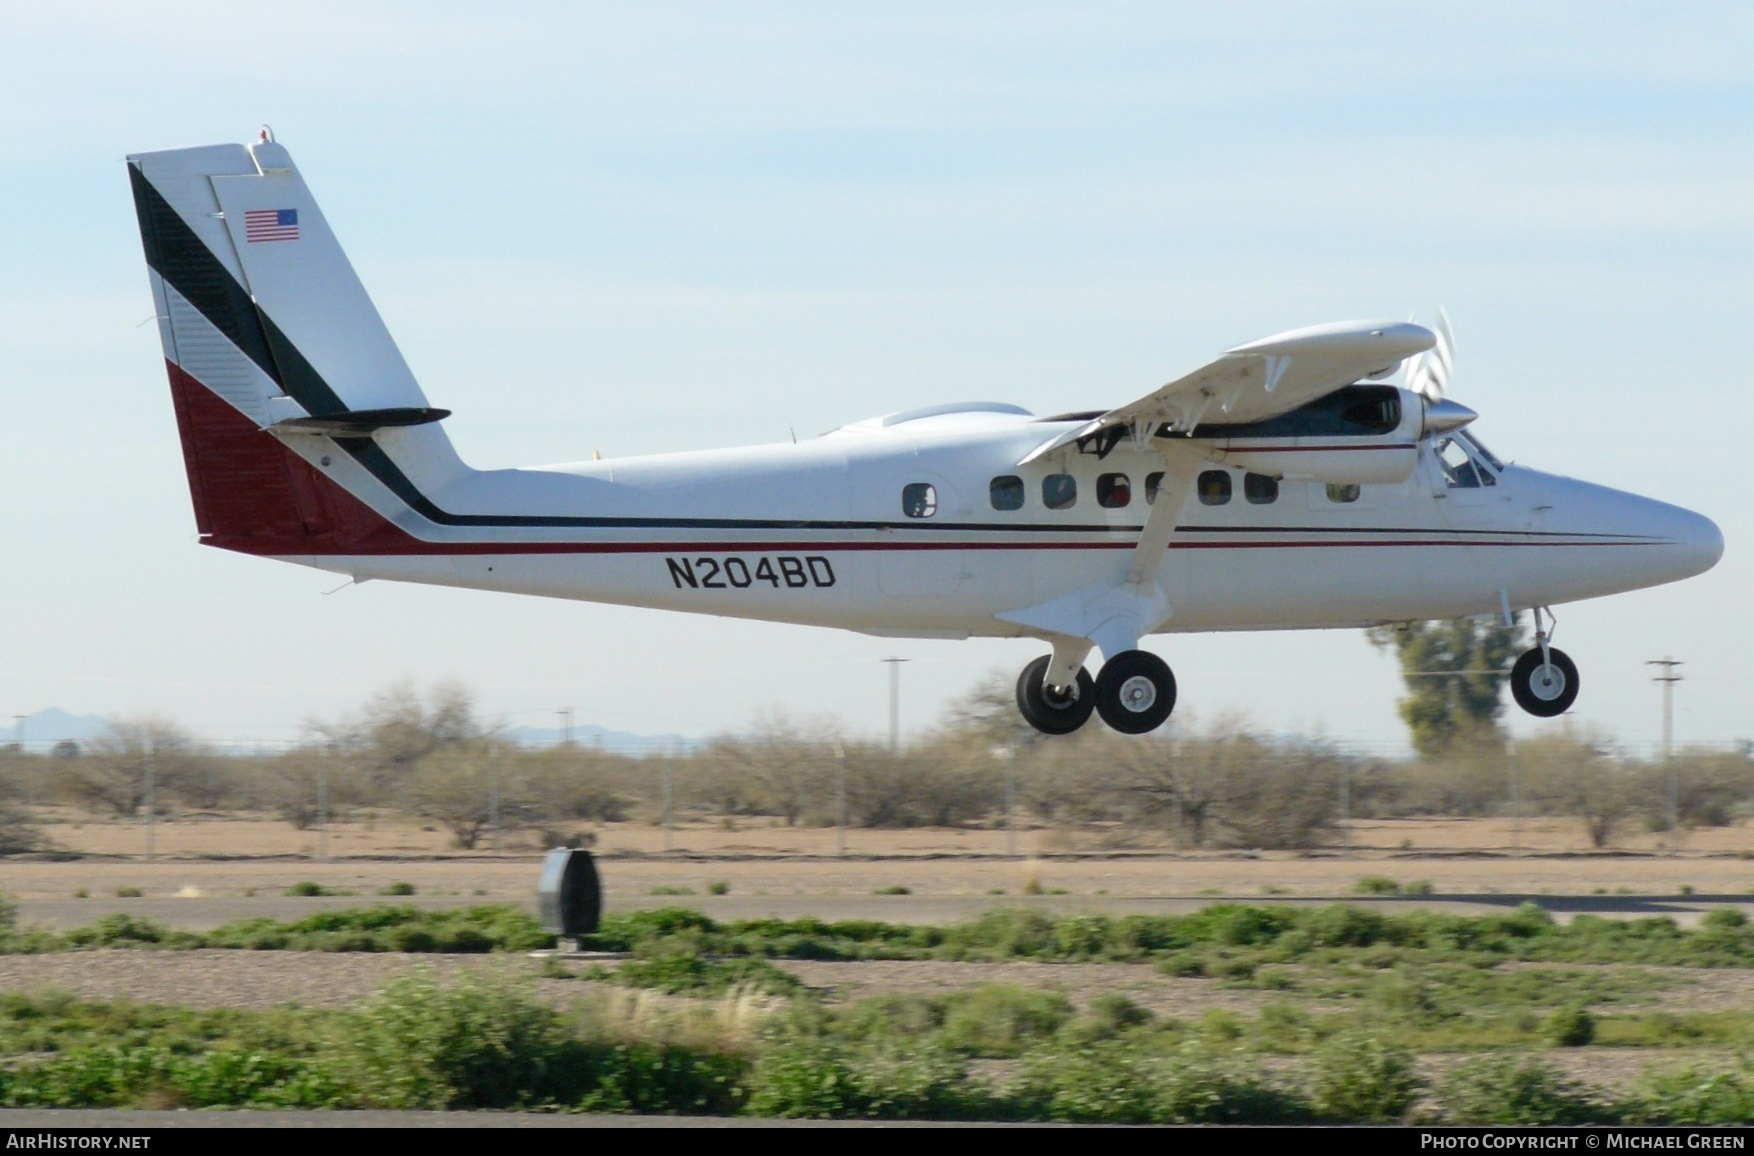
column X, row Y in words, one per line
column 1153, row 482
column 919, row 500
column 1113, row 491
column 1259, row 489
column 1059, row 491
column 1346, row 493
column 1214, row 487
column 1459, row 470
column 1006, row 492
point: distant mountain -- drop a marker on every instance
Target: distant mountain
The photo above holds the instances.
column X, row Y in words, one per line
column 45, row 728
column 617, row 742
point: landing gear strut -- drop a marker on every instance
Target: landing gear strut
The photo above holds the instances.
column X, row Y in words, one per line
column 1054, row 710
column 1544, row 680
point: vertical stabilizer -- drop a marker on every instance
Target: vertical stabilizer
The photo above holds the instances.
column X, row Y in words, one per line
column 259, row 309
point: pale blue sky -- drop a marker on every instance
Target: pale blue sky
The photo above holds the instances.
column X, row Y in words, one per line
column 665, row 226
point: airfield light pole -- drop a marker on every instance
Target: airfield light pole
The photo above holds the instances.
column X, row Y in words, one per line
column 840, row 796
column 1669, row 678
column 894, row 703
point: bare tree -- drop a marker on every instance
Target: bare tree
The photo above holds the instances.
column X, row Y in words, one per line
column 1576, row 774
column 458, row 784
column 114, row 776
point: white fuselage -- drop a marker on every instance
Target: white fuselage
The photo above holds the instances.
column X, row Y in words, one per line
column 814, row 532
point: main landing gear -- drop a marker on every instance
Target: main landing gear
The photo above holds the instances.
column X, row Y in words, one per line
column 1134, row 693
column 1544, row 680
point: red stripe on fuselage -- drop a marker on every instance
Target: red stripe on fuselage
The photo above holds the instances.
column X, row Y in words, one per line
column 254, row 495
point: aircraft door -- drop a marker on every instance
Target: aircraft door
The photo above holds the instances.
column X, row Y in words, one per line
column 1470, row 501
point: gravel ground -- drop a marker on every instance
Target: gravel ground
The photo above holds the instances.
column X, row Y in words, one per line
column 262, row 979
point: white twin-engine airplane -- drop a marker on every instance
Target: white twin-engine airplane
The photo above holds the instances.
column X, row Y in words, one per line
column 1281, row 486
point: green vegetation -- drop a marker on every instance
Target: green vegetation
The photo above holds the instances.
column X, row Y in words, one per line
column 398, row 888
column 732, row 1031
column 477, row 1043
column 1338, row 950
column 307, row 889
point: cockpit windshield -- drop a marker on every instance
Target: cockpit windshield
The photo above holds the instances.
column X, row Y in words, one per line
column 1480, row 450
column 1463, row 464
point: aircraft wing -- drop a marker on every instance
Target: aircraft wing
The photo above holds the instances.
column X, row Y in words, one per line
column 1263, row 379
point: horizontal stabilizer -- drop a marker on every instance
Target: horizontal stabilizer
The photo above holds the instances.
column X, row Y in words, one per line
column 362, row 421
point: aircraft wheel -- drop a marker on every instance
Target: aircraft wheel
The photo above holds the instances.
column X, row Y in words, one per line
column 1135, row 692
column 1544, row 689
column 1051, row 713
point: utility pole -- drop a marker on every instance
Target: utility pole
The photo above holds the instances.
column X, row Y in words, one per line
column 669, row 772
column 1516, row 803
column 1011, row 799
column 1346, row 806
column 18, row 731
column 493, row 798
column 151, row 818
column 1669, row 678
column 840, row 795
column 565, row 714
column 323, row 810
column 895, row 703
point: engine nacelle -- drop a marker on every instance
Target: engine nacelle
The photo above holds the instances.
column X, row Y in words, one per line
column 1362, row 434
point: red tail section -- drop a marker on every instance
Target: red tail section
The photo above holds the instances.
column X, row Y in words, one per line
column 254, row 495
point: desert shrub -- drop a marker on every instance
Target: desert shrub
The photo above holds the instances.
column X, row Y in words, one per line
column 1376, row 885
column 1571, row 1026
column 1692, row 1096
column 1118, row 1083
column 1360, row 1078
column 818, row 1078
column 678, row 966
column 389, row 928
column 1001, row 1019
column 123, row 930
column 472, row 1044
column 1511, row 1089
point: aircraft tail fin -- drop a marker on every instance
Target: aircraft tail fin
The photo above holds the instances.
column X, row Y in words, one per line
column 268, row 333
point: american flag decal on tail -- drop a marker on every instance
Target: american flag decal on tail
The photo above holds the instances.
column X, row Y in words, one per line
column 270, row 225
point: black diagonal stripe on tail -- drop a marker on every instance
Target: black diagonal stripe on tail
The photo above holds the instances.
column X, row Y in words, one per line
column 186, row 263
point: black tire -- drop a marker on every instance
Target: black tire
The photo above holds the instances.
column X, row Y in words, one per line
column 1135, row 692
column 1048, row 713
column 1544, row 692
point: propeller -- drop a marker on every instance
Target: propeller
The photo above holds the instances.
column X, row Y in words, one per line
column 1428, row 373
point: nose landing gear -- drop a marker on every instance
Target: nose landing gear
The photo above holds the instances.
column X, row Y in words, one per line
column 1544, row 680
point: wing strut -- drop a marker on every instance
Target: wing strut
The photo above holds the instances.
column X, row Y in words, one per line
column 1114, row 613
